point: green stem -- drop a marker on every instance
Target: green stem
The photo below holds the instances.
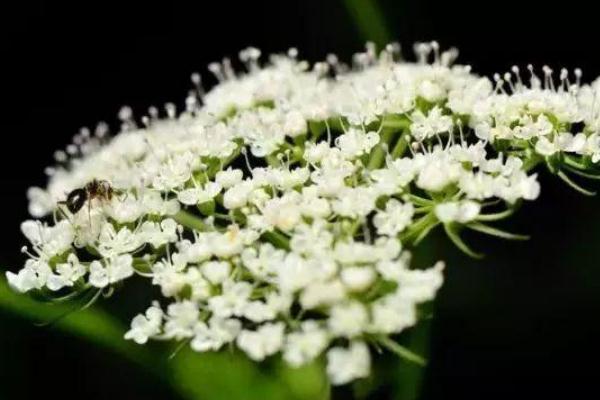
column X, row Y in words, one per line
column 415, row 232
column 277, row 239
column 496, row 216
column 574, row 185
column 401, row 351
column 458, row 242
column 489, row 230
column 399, row 148
column 189, row 220
column 531, row 162
column 378, row 153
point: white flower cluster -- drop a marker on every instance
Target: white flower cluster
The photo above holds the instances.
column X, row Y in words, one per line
column 277, row 211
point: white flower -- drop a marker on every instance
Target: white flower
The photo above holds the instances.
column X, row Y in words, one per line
column 216, row 272
column 258, row 311
column 158, row 234
column 545, row 147
column 357, row 279
column 263, row 342
column 283, row 212
column 355, row 142
column 33, row 276
column 232, row 300
column 462, row 212
column 237, row 195
column 303, row 346
column 49, row 241
column 168, row 275
column 124, row 209
column 111, row 243
column 262, row 263
column 181, row 320
column 198, row 251
column 40, row 202
column 420, row 285
column 212, row 336
column 231, row 242
column 197, row 195
column 294, row 124
column 427, row 126
column 348, row 319
column 322, row 293
column 437, row 174
column 354, row 202
column 113, row 270
column 66, row 274
column 145, row 326
column 294, row 273
column 391, row 315
column 229, row 177
column 394, row 219
column 347, row 364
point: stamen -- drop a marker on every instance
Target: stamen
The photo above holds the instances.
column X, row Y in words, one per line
column 436, row 52
column 329, row 132
column 171, row 110
column 534, row 81
column 228, row 69
column 247, row 159
column 422, row 51
column 216, row 69
column 515, row 70
column 578, row 74
column 101, row 130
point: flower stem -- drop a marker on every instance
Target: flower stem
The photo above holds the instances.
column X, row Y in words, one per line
column 399, row 148
column 189, row 220
column 401, row 351
column 277, row 239
column 378, row 154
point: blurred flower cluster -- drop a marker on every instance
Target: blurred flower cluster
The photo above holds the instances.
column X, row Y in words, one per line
column 277, row 211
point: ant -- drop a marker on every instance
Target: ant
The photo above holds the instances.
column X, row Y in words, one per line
column 96, row 189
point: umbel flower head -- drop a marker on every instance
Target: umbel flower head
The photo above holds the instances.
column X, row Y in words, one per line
column 277, row 211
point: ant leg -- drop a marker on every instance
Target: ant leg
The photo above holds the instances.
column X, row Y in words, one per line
column 90, row 211
column 61, row 210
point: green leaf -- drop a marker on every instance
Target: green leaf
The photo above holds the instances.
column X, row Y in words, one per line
column 369, row 20
column 189, row 220
column 92, row 325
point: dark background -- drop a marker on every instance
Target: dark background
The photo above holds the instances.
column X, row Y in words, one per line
column 523, row 323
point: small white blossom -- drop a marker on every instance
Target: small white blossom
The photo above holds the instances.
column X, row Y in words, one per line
column 263, row 342
column 345, row 365
column 462, row 212
column 145, row 326
column 113, row 270
column 394, row 219
column 305, row 345
column 348, row 320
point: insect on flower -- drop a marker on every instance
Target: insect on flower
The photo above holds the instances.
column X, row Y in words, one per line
column 96, row 189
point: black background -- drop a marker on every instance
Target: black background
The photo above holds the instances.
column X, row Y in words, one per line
column 524, row 323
